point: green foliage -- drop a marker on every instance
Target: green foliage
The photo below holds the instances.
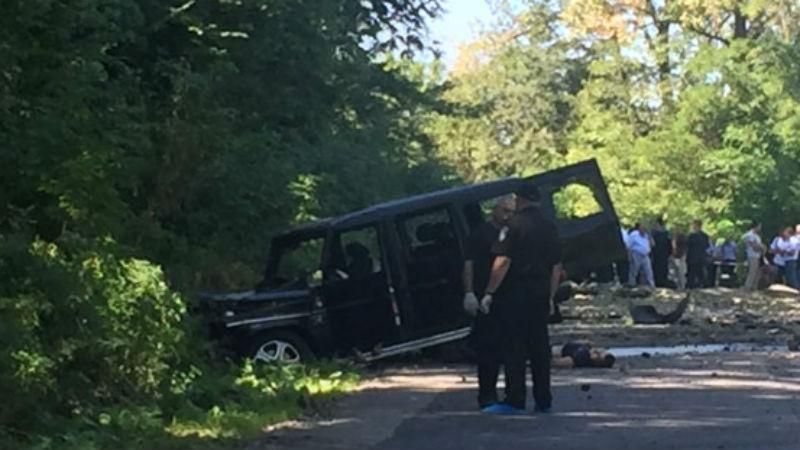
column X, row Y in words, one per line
column 686, row 122
column 83, row 324
column 510, row 114
column 139, row 135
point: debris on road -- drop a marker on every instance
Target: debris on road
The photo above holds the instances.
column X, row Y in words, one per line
column 781, row 290
column 648, row 315
column 714, row 315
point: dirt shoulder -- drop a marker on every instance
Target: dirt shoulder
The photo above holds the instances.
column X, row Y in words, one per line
column 718, row 315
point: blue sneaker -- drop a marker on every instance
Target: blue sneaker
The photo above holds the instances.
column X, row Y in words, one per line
column 503, row 409
column 542, row 410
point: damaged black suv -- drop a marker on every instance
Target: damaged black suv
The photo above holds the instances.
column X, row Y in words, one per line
column 386, row 280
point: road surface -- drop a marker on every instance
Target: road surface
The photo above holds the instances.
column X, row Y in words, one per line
column 710, row 402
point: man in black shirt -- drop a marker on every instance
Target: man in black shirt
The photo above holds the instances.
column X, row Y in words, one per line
column 485, row 338
column 696, row 256
column 525, row 276
column 662, row 248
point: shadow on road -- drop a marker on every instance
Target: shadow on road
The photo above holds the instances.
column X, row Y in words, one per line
column 725, row 401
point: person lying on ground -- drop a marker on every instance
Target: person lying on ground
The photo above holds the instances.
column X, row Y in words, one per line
column 581, row 354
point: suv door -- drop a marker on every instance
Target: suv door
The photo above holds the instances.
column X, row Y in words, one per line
column 431, row 258
column 577, row 199
column 356, row 290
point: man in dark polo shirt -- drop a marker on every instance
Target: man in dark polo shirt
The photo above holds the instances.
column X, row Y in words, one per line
column 697, row 255
column 485, row 337
column 524, row 278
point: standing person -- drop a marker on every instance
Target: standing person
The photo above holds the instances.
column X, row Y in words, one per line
column 785, row 250
column 796, row 240
column 639, row 244
column 754, row 249
column 714, row 258
column 623, row 265
column 525, row 276
column 662, row 248
column 678, row 260
column 697, row 246
column 485, row 337
column 728, row 259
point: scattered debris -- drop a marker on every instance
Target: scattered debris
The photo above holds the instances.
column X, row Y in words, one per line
column 586, row 288
column 586, row 387
column 634, row 292
column 714, row 315
column 614, row 315
column 781, row 290
column 648, row 315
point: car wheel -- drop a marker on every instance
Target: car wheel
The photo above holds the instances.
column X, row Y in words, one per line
column 280, row 347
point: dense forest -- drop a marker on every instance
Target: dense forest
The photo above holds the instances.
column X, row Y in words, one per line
column 151, row 148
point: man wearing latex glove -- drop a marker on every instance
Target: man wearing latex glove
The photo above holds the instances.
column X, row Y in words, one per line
column 486, row 304
column 525, row 274
column 471, row 304
column 484, row 339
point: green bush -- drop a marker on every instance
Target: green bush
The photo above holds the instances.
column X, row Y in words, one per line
column 94, row 354
column 82, row 325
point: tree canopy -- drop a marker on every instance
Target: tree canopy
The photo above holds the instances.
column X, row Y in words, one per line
column 687, row 105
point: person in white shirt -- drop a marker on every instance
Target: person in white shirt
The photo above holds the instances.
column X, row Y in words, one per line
column 796, row 240
column 755, row 251
column 639, row 244
column 785, row 249
column 622, row 266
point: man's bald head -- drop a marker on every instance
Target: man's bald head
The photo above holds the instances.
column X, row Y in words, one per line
column 503, row 209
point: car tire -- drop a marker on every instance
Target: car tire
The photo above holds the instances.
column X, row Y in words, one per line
column 279, row 347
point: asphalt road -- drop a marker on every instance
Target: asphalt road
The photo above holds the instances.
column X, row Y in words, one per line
column 710, row 402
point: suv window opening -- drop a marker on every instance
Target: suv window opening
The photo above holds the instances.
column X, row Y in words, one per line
column 355, row 253
column 292, row 260
column 575, row 200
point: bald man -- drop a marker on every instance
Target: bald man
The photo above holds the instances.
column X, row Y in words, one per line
column 485, row 332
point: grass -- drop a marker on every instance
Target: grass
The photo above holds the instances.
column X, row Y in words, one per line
column 215, row 411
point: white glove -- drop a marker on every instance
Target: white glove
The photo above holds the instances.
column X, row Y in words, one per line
column 486, row 303
column 471, row 304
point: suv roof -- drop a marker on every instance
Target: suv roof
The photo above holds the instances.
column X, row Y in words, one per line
column 427, row 200
column 403, row 205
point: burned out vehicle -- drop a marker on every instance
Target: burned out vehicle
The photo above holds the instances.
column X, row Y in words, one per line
column 387, row 279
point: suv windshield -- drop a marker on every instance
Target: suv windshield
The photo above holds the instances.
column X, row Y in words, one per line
column 293, row 261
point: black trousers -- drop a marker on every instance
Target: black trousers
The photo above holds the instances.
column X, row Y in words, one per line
column 711, row 276
column 730, row 271
column 661, row 269
column 486, row 342
column 527, row 338
column 695, row 274
column 622, row 267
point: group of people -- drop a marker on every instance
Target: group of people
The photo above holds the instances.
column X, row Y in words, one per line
column 511, row 275
column 659, row 258
column 691, row 258
column 778, row 261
